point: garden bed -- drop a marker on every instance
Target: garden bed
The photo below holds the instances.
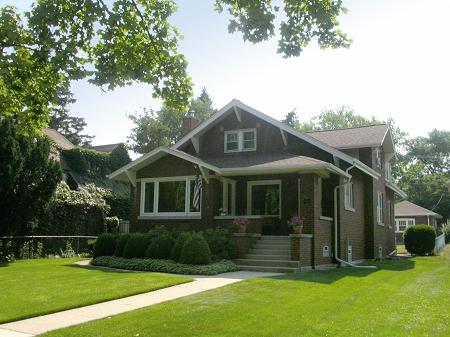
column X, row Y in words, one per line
column 164, row 266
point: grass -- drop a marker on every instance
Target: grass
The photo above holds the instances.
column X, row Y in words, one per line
column 36, row 287
column 407, row 297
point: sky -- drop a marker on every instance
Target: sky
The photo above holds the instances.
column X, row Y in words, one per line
column 398, row 66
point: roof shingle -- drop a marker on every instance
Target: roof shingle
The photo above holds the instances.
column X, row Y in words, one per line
column 407, row 208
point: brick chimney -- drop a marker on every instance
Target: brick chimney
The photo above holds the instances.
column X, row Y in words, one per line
column 189, row 123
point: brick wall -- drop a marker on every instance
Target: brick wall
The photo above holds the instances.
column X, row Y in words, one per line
column 352, row 223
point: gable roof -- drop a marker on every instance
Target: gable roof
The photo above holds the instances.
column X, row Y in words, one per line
column 58, row 138
column 407, row 208
column 365, row 136
column 235, row 105
column 108, row 148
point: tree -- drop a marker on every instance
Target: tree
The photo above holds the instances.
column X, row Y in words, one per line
column 291, row 119
column 70, row 127
column 301, row 22
column 432, row 151
column 163, row 128
column 131, row 41
column 111, row 46
column 28, row 178
column 339, row 118
column 119, row 157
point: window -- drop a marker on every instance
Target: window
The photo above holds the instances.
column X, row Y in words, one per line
column 388, row 172
column 378, row 157
column 390, row 209
column 168, row 196
column 403, row 224
column 228, row 197
column 264, row 197
column 326, row 190
column 348, row 197
column 240, row 140
column 380, row 201
column 231, row 141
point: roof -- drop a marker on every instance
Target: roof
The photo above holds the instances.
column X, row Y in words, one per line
column 229, row 166
column 235, row 106
column 58, row 138
column 365, row 136
column 104, row 148
column 407, row 208
column 268, row 163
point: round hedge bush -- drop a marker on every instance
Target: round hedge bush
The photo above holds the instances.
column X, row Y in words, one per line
column 196, row 251
column 420, row 239
column 105, row 245
column 178, row 245
column 122, row 240
column 160, row 247
column 136, row 246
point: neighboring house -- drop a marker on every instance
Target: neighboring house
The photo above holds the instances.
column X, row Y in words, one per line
column 256, row 167
column 74, row 178
column 408, row 214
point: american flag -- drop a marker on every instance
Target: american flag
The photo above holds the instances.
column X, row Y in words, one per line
column 197, row 193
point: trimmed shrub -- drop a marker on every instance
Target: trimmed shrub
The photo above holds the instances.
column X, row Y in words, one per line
column 196, row 251
column 122, row 240
column 160, row 247
column 111, row 224
column 420, row 239
column 136, row 246
column 105, row 245
column 178, row 245
column 221, row 242
column 164, row 266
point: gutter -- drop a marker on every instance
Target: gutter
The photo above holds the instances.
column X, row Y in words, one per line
column 336, row 251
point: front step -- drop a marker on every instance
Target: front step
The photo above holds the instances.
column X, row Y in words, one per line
column 261, row 251
column 269, row 269
column 267, row 257
column 266, row 263
column 274, row 237
column 261, row 245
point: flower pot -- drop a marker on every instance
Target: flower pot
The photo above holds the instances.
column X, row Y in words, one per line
column 298, row 229
column 242, row 228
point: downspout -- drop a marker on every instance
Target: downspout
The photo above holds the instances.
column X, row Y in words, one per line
column 336, row 254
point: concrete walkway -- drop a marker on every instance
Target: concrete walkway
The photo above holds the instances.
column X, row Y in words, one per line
column 38, row 325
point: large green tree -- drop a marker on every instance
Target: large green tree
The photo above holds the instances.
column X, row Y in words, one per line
column 28, row 177
column 125, row 41
column 69, row 126
column 163, row 128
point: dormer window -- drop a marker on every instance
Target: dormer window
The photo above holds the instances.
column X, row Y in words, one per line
column 240, row 140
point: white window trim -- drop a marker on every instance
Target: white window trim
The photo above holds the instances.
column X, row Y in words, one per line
column 156, row 213
column 225, row 183
column 240, row 141
column 397, row 226
column 380, row 208
column 252, row 183
column 349, row 198
column 378, row 157
column 299, row 195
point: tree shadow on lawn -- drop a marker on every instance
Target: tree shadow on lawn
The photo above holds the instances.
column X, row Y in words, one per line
column 100, row 268
column 4, row 264
column 333, row 275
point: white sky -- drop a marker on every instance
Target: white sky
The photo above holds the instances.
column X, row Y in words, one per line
column 397, row 66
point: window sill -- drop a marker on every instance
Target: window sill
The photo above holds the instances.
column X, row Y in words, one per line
column 380, row 224
column 169, row 217
column 231, row 217
column 350, row 209
column 325, row 218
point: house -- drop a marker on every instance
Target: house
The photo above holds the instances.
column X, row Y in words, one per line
column 72, row 175
column 408, row 214
column 256, row 167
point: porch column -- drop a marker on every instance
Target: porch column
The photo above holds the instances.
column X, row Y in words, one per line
column 301, row 249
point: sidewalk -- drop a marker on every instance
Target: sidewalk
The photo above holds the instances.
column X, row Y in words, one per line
column 38, row 325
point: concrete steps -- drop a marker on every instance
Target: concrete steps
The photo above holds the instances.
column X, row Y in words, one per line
column 269, row 254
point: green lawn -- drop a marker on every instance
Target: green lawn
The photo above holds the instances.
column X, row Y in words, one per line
column 35, row 287
column 402, row 298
